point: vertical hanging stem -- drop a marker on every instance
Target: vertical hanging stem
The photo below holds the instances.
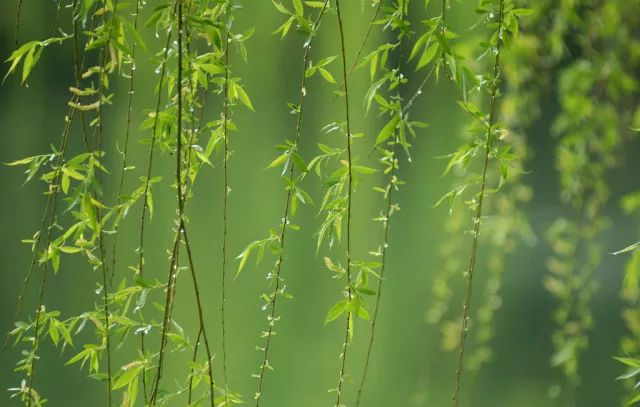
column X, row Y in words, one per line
column 202, row 331
column 43, row 283
column 478, row 215
column 52, row 203
column 174, row 262
column 168, row 305
column 105, row 283
column 145, row 194
column 287, row 208
column 127, row 133
column 367, row 34
column 18, row 22
column 343, row 355
column 225, row 129
column 123, row 172
column 34, row 259
column 388, row 212
column 193, row 360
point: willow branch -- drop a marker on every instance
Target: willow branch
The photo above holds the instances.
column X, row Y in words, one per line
column 225, row 193
column 343, row 355
column 283, row 231
column 478, row 215
column 388, row 211
column 18, row 22
column 202, row 330
column 145, row 194
column 52, row 202
column 127, row 133
column 100, row 130
column 182, row 231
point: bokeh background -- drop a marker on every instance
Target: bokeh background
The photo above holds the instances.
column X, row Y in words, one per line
column 409, row 367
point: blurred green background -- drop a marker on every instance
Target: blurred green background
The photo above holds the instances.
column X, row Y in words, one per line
column 408, row 366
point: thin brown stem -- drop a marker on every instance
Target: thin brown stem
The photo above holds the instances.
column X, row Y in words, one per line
column 367, row 34
column 123, row 174
column 147, row 183
column 225, row 193
column 34, row 258
column 343, row 355
column 125, row 150
column 421, row 87
column 478, row 215
column 168, row 305
column 391, row 185
column 43, row 282
column 54, row 189
column 100, row 130
column 201, row 319
column 181, row 233
column 57, row 23
column 278, row 267
column 193, row 361
column 18, row 16
column 145, row 194
column 45, row 271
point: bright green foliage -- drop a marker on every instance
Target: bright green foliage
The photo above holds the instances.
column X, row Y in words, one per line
column 499, row 69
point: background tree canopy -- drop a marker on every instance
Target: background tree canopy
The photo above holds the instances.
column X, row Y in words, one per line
column 448, row 216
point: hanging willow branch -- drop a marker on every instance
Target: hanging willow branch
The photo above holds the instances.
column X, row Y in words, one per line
column 147, row 180
column 176, row 244
column 478, row 214
column 225, row 194
column 273, row 298
column 125, row 150
column 181, row 233
column 343, row 355
column 54, row 189
column 18, row 12
column 390, row 161
column 103, row 57
column 365, row 38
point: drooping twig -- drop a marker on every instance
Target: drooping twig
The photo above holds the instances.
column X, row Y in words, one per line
column 427, row 78
column 367, row 34
column 36, row 245
column 52, row 202
column 388, row 212
column 125, row 150
column 343, row 355
column 478, row 215
column 181, row 233
column 105, row 280
column 202, row 330
column 45, row 271
column 365, row 38
column 225, row 169
column 18, row 21
column 145, row 194
column 287, row 208
column 173, row 266
column 193, row 360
